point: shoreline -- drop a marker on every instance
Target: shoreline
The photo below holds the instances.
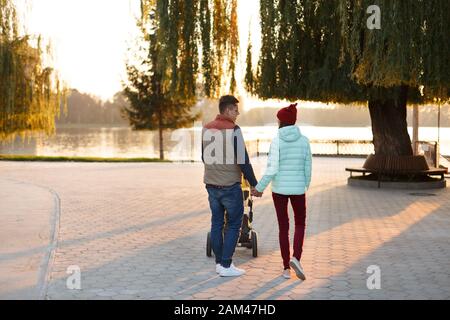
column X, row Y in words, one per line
column 75, row 159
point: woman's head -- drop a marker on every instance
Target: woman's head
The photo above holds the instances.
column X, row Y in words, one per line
column 287, row 116
column 283, row 124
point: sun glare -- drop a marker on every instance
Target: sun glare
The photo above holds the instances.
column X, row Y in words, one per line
column 89, row 39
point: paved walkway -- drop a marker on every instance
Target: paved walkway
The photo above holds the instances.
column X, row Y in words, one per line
column 138, row 231
column 26, row 238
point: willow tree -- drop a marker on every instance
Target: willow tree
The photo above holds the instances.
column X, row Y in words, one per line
column 327, row 51
column 30, row 92
column 190, row 53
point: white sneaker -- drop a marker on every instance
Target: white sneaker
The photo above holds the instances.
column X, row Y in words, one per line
column 218, row 268
column 287, row 273
column 295, row 264
column 232, row 271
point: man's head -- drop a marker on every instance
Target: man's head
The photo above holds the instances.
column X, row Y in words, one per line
column 228, row 106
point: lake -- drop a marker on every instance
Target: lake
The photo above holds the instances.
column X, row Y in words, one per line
column 184, row 144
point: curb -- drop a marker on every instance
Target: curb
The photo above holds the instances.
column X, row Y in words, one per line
column 49, row 256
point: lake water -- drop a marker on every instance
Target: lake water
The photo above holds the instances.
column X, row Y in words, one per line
column 184, row 144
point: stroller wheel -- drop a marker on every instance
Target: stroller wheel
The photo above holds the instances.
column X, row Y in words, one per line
column 255, row 243
column 208, row 245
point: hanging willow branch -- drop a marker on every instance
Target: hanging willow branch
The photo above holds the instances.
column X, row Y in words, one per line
column 322, row 50
column 30, row 93
column 205, row 31
column 234, row 45
column 249, row 75
column 195, row 38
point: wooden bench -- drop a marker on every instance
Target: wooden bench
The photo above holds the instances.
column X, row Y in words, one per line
column 412, row 173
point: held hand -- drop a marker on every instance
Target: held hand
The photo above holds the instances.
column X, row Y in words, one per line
column 256, row 193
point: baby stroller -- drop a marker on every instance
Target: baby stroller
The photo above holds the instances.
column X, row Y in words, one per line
column 248, row 237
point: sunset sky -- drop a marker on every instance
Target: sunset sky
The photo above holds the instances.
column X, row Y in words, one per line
column 90, row 39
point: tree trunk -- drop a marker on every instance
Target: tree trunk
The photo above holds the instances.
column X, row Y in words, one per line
column 387, row 109
column 161, row 145
column 161, row 142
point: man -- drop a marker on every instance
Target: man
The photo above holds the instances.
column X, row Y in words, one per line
column 226, row 159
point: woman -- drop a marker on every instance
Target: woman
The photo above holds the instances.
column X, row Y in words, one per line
column 289, row 170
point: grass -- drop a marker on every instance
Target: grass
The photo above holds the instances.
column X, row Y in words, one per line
column 75, row 159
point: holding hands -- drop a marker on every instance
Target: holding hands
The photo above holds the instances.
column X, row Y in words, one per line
column 255, row 193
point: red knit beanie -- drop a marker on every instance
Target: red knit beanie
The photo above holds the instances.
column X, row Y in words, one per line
column 288, row 115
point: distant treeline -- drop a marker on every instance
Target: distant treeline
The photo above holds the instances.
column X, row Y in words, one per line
column 85, row 109
column 428, row 116
column 344, row 116
column 350, row 116
column 340, row 116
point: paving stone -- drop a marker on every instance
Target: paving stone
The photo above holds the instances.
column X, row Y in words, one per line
column 150, row 244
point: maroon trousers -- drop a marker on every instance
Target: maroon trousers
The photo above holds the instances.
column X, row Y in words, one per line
column 298, row 203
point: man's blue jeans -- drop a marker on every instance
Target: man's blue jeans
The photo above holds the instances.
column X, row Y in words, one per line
column 229, row 199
